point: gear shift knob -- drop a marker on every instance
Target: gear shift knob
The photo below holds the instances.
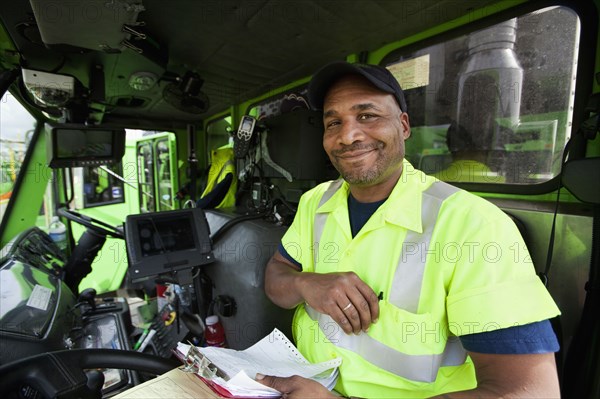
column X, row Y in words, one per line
column 88, row 295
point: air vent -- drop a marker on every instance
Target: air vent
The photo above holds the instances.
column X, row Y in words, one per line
column 131, row 102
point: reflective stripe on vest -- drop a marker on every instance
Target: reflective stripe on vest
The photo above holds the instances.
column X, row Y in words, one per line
column 408, row 279
column 405, row 293
column 320, row 218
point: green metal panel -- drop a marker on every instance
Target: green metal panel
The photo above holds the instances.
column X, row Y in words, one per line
column 376, row 56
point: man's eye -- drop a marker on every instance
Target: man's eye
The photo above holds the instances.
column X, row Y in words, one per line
column 365, row 116
column 332, row 123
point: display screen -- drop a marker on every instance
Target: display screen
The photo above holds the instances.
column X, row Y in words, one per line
column 78, row 143
column 158, row 236
column 167, row 243
column 247, row 124
column 74, row 145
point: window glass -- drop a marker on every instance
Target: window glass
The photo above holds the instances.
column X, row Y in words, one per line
column 153, row 175
column 102, row 185
column 145, row 166
column 165, row 184
column 17, row 126
column 218, row 132
column 493, row 106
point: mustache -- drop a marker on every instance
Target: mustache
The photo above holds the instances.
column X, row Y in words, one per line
column 356, row 147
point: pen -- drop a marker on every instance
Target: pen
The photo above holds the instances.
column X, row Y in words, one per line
column 141, row 339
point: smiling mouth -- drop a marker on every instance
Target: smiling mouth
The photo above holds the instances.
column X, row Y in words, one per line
column 355, row 155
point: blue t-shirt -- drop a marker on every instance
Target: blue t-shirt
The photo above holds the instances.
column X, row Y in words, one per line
column 536, row 337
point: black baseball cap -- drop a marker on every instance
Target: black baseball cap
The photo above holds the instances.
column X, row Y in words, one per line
column 379, row 76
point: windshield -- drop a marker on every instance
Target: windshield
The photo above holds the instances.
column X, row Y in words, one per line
column 16, row 126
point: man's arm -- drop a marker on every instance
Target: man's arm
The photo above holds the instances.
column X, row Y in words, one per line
column 343, row 296
column 281, row 282
column 498, row 376
column 512, row 376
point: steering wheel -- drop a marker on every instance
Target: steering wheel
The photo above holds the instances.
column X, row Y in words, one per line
column 94, row 224
column 61, row 374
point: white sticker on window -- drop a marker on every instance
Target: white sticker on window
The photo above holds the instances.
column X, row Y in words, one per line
column 411, row 73
column 40, row 297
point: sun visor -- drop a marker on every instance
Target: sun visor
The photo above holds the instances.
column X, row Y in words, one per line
column 109, row 26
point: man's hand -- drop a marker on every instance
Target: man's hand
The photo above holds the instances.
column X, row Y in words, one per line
column 295, row 387
column 343, row 296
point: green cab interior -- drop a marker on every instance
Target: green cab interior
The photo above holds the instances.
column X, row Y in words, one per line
column 148, row 144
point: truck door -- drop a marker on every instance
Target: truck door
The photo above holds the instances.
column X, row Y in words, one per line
column 157, row 173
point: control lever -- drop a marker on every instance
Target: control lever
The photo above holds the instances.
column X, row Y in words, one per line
column 89, row 296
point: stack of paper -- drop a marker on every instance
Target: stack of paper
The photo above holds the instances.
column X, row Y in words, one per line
column 273, row 355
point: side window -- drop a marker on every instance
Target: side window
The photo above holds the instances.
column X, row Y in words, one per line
column 217, row 133
column 493, row 106
column 101, row 186
column 16, row 125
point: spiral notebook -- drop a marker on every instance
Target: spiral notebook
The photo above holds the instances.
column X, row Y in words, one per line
column 232, row 373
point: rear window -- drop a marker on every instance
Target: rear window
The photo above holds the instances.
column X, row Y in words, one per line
column 493, row 106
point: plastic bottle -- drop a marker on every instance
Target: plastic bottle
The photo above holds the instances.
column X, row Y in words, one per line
column 214, row 333
column 58, row 233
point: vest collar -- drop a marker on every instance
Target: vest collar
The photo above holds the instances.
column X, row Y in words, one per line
column 403, row 206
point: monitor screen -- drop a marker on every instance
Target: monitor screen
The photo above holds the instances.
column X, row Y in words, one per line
column 167, row 243
column 165, row 235
column 78, row 143
column 72, row 145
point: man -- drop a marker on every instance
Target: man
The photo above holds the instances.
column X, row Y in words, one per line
column 470, row 154
column 388, row 266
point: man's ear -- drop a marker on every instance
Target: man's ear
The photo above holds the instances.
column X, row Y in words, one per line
column 405, row 125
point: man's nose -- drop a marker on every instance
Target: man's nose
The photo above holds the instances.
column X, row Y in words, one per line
column 350, row 132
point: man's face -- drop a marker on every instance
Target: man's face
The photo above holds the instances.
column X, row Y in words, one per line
column 364, row 132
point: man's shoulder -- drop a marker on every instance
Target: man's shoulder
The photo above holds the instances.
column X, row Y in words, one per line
column 465, row 203
column 315, row 193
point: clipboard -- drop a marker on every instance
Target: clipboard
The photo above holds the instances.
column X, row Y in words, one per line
column 176, row 384
column 198, row 364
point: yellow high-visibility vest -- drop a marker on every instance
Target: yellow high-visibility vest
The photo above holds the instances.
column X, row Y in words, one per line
column 222, row 163
column 448, row 263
